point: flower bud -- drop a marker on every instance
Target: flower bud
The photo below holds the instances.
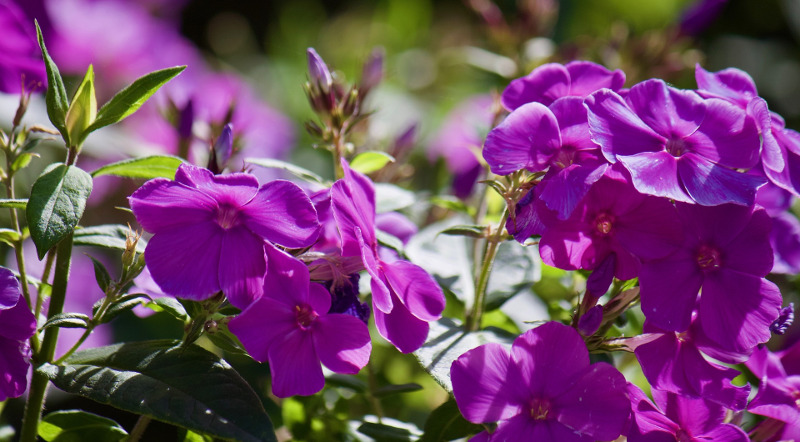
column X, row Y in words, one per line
column 131, row 240
column 83, row 110
column 372, row 72
column 223, row 147
column 318, row 71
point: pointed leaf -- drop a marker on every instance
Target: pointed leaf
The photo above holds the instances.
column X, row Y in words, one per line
column 369, row 162
column 452, row 203
column 297, row 171
column 57, row 200
column 389, row 390
column 130, row 99
column 83, row 109
column 447, row 340
column 150, row 167
column 161, row 380
column 124, row 303
column 14, row 204
column 9, row 236
column 110, row 236
column 56, row 96
column 473, row 231
column 385, row 432
column 75, row 425
column 23, row 160
column 68, row 320
column 169, row 305
column 446, row 423
column 100, row 274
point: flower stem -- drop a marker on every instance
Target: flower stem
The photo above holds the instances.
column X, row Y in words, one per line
column 473, row 320
column 39, row 382
column 139, row 428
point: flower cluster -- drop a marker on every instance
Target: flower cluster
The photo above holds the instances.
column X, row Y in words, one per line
column 677, row 188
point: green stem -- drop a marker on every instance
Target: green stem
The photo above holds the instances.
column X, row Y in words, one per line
column 39, row 382
column 48, row 264
column 373, row 387
column 338, row 147
column 473, row 321
column 139, row 428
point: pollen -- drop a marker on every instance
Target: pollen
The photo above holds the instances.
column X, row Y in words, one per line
column 709, row 258
column 540, row 409
column 305, row 316
column 604, row 223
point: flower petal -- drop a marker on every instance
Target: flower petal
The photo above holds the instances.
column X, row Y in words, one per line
column 544, row 85
column 282, row 213
column 418, row 291
column 262, row 324
column 727, row 136
column 669, row 289
column 655, row 173
column 587, row 77
column 381, row 297
column 287, row 279
column 14, row 365
column 711, row 185
column 353, row 202
column 342, row 342
column 242, row 265
column 17, row 323
column 672, row 113
column 185, row 262
column 294, row 365
column 404, row 330
column 10, row 289
column 480, row 384
column 617, row 129
column 527, row 139
column 596, row 404
column 161, row 205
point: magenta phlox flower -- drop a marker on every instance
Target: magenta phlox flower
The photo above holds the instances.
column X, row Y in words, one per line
column 551, row 81
column 291, row 327
column 676, row 144
column 210, row 231
column 779, row 387
column 404, row 296
column 674, row 362
column 20, row 57
column 458, row 140
column 543, row 389
column 556, row 139
column 678, row 418
column 726, row 252
column 613, row 219
column 17, row 325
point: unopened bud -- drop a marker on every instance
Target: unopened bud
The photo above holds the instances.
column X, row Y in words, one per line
column 83, row 110
column 186, row 120
column 131, row 240
column 372, row 72
column 313, row 129
column 352, row 104
column 318, row 71
column 223, row 147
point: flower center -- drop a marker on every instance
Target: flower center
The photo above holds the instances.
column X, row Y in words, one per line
column 564, row 158
column 540, row 408
column 305, row 316
column 603, row 223
column 227, row 216
column 676, row 147
column 682, row 436
column 709, row 258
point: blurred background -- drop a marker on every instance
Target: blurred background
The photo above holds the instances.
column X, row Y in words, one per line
column 442, row 63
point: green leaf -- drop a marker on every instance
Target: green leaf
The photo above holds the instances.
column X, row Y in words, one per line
column 83, row 109
column 297, row 171
column 390, row 241
column 14, row 204
column 153, row 166
column 473, row 231
column 452, row 203
column 57, row 200
column 389, row 198
column 56, row 96
column 76, row 426
column 185, row 386
column 9, row 236
column 171, row 306
column 68, row 320
column 447, row 340
column 345, row 381
column 369, row 162
column 446, row 423
column 383, row 432
column 111, row 236
column 191, row 436
column 23, row 160
column 389, row 390
column 225, row 340
column 130, row 99
column 100, row 274
column 124, row 303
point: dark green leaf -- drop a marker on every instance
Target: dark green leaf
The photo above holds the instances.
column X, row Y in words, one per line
column 185, row 386
column 77, row 426
column 389, row 198
column 122, row 304
column 345, row 381
column 110, row 236
column 389, row 390
column 445, row 423
column 14, row 204
column 68, row 320
column 369, row 162
column 381, row 432
column 57, row 200
column 56, row 96
column 171, row 306
column 146, row 167
column 130, row 99
column 447, row 341
column 297, row 171
column 225, row 340
column 100, row 274
column 472, row 231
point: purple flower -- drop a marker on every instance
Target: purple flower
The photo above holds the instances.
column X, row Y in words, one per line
column 459, row 139
column 210, row 231
column 551, row 81
column 700, row 15
column 17, row 325
column 779, row 388
column 678, row 418
column 404, row 297
column 613, row 219
column 726, row 252
column 557, row 139
column 20, row 57
column 544, row 389
column 674, row 362
column 290, row 327
column 318, row 70
column 676, row 144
